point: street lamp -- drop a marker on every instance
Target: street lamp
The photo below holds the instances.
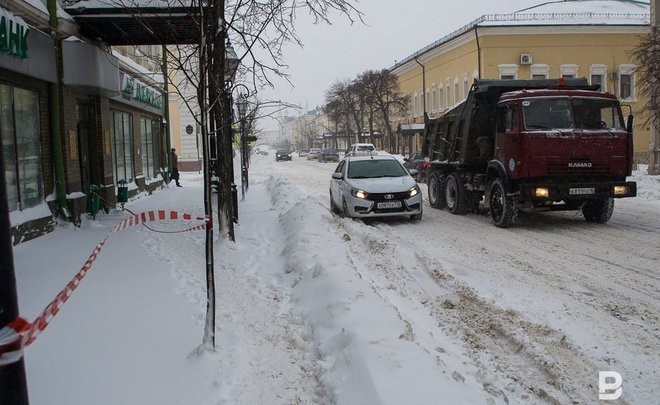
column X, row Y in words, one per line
column 241, row 106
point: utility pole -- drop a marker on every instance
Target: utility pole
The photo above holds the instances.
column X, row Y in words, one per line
column 13, row 383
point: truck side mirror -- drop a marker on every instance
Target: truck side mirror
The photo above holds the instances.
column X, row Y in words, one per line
column 629, row 123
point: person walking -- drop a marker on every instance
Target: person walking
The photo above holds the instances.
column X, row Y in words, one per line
column 175, row 167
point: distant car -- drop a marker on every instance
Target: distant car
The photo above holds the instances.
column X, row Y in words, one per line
column 329, row 155
column 313, row 153
column 362, row 149
column 375, row 186
column 282, row 154
column 263, row 152
column 303, row 152
column 417, row 161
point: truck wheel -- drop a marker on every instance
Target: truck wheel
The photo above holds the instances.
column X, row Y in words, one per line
column 598, row 211
column 456, row 196
column 436, row 186
column 503, row 208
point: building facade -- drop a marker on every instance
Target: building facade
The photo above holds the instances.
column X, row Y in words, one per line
column 69, row 142
column 585, row 38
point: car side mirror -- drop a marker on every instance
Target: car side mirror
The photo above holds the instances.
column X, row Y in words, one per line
column 413, row 172
column 337, row 176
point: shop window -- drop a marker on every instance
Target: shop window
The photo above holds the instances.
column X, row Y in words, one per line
column 19, row 127
column 122, row 141
column 150, row 134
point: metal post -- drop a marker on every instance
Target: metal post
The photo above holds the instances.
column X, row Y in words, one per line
column 13, row 383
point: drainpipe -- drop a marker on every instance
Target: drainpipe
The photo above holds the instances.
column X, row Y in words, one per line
column 476, row 35
column 425, row 117
column 166, row 104
column 56, row 114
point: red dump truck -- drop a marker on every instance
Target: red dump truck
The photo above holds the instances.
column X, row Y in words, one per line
column 532, row 145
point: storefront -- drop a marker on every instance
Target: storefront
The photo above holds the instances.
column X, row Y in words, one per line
column 27, row 66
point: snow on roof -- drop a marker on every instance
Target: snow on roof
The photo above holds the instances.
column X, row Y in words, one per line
column 560, row 12
column 137, row 68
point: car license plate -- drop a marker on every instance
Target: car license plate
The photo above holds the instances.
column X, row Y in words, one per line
column 581, row 191
column 388, row 205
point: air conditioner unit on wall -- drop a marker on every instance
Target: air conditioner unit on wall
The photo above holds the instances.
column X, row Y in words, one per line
column 525, row 58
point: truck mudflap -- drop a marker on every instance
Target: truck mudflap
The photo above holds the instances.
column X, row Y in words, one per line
column 540, row 192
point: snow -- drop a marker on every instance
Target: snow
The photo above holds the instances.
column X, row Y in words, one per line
column 317, row 309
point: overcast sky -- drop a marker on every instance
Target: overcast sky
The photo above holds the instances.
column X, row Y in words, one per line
column 392, row 31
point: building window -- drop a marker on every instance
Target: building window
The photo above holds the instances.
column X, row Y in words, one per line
column 442, row 99
column 448, row 94
column 508, row 71
column 425, row 106
column 434, row 100
column 627, row 82
column 149, row 133
column 456, row 99
column 568, row 71
column 122, row 142
column 539, row 71
column 598, row 76
column 19, row 127
column 466, row 87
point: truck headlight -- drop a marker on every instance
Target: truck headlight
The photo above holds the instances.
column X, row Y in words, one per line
column 620, row 190
column 541, row 192
column 359, row 193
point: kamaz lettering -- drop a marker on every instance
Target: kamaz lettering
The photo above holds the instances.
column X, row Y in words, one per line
column 580, row 165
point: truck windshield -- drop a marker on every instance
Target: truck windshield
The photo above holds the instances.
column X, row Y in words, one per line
column 572, row 113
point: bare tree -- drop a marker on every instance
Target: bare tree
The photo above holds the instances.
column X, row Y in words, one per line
column 647, row 54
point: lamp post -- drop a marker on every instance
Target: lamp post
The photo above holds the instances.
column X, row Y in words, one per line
column 241, row 105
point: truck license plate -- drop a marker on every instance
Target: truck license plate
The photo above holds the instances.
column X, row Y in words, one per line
column 581, row 191
column 388, row 205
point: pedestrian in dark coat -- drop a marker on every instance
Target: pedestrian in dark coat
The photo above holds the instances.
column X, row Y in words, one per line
column 175, row 167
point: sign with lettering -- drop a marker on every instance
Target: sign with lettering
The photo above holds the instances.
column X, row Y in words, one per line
column 133, row 88
column 13, row 35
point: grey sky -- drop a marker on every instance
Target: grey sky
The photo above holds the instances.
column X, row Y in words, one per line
column 393, row 31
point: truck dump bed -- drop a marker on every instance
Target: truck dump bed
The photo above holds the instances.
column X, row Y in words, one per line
column 457, row 135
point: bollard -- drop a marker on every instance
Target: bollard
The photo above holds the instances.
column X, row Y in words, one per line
column 122, row 192
column 93, row 200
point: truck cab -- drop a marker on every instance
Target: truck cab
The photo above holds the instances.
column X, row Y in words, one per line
column 531, row 145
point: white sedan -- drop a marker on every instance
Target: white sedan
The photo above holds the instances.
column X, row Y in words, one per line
column 375, row 186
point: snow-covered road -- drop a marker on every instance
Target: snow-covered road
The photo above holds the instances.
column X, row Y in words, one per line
column 541, row 307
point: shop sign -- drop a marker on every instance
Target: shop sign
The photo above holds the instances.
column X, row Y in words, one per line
column 13, row 35
column 132, row 88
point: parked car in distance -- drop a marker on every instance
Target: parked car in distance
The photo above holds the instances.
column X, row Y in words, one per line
column 329, row 155
column 417, row 161
column 302, row 152
column 282, row 154
column 313, row 153
column 375, row 186
column 362, row 149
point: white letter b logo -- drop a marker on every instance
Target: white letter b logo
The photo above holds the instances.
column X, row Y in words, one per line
column 609, row 385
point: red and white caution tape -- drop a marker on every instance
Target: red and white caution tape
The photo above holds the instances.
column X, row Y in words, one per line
column 20, row 333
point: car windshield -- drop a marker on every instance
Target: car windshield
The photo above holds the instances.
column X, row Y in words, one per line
column 564, row 113
column 366, row 169
column 283, row 151
column 365, row 148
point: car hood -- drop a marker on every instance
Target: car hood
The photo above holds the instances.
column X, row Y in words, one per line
column 384, row 184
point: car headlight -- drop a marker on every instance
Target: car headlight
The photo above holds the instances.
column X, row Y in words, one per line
column 359, row 193
column 413, row 191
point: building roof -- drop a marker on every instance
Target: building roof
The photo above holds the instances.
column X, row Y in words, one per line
column 555, row 13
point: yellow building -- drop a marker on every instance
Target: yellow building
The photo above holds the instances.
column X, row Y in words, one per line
column 579, row 38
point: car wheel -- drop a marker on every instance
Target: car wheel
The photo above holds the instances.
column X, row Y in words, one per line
column 455, row 195
column 436, row 189
column 333, row 206
column 598, row 211
column 503, row 208
column 344, row 209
